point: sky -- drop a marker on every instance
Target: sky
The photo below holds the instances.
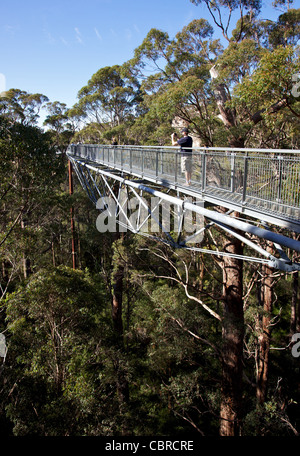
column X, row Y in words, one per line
column 53, row 47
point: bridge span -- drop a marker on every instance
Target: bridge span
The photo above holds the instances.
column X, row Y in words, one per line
column 261, row 187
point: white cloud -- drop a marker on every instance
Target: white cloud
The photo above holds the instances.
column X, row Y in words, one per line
column 98, row 34
column 113, row 32
column 136, row 29
column 128, row 34
column 50, row 38
column 64, row 41
column 78, row 35
column 10, row 29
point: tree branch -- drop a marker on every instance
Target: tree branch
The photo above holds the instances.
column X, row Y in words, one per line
column 257, row 117
column 11, row 228
column 184, row 284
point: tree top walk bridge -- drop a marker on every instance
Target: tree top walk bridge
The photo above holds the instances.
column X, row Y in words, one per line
column 258, row 189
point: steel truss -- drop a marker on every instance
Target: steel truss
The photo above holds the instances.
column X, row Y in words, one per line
column 112, row 194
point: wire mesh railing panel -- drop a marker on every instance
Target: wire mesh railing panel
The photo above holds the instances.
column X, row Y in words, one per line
column 167, row 165
column 290, row 184
column 196, row 170
column 117, row 156
column 136, row 159
column 218, row 171
column 273, row 183
column 149, row 160
column 262, row 178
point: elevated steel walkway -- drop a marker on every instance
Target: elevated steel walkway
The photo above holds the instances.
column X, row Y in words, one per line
column 258, row 183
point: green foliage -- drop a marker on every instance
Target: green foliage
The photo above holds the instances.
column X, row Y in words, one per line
column 108, row 97
column 31, row 197
column 21, row 106
column 286, row 30
column 281, row 63
column 55, row 324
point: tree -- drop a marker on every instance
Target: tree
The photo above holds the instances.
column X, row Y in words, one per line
column 222, row 12
column 286, row 30
column 108, row 99
column 54, row 329
column 59, row 123
column 263, row 97
column 180, row 85
column 21, row 106
column 30, row 169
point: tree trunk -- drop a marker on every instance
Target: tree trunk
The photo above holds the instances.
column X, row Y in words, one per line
column 233, row 314
column 232, row 340
column 117, row 299
column 117, row 320
column 26, row 261
column 265, row 335
column 72, row 216
column 295, row 306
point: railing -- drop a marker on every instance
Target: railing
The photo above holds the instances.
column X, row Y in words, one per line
column 263, row 180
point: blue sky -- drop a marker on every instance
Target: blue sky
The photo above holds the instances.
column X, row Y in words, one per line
column 54, row 47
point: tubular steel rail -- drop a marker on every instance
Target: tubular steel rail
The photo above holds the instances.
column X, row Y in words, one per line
column 261, row 183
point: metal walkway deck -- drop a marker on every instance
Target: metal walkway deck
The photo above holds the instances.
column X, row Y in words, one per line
column 261, row 184
column 264, row 184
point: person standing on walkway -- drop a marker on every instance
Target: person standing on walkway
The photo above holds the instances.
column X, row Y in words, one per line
column 186, row 144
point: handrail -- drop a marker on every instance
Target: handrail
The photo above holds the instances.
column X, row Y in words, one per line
column 195, row 149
